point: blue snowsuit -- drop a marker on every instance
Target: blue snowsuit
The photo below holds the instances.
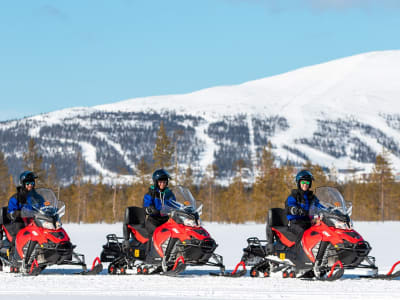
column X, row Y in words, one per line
column 305, row 200
column 21, row 200
column 27, row 201
column 301, row 199
column 157, row 199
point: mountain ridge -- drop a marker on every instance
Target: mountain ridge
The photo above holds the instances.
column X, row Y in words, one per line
column 337, row 114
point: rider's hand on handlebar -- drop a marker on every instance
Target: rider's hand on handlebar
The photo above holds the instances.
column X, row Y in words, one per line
column 14, row 215
column 298, row 211
column 151, row 210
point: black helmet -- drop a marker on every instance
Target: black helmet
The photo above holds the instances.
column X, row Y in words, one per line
column 27, row 176
column 304, row 175
column 160, row 174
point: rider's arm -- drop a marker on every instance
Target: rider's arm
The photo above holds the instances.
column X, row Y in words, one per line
column 148, row 201
column 317, row 204
column 149, row 205
column 293, row 208
column 171, row 201
column 13, row 210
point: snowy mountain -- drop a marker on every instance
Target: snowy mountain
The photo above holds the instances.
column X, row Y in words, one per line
column 337, row 114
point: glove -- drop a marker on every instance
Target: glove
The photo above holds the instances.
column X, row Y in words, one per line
column 298, row 211
column 14, row 215
column 151, row 211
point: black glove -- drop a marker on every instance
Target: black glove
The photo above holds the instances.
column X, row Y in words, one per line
column 297, row 211
column 14, row 215
column 151, row 211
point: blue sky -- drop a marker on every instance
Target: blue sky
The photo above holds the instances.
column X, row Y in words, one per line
column 59, row 54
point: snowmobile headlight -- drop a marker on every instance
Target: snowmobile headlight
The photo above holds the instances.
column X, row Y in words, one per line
column 340, row 224
column 189, row 222
column 46, row 224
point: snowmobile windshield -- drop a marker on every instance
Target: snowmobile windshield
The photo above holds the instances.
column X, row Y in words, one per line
column 183, row 209
column 44, row 202
column 335, row 211
column 184, row 201
column 332, row 199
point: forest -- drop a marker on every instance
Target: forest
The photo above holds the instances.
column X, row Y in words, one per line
column 375, row 196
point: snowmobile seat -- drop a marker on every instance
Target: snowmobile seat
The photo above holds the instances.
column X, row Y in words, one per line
column 134, row 217
column 277, row 227
column 4, row 220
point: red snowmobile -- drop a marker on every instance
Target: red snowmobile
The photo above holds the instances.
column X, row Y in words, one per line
column 324, row 251
column 178, row 243
column 43, row 242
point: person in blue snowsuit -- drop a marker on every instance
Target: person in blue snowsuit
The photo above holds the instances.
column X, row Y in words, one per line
column 25, row 198
column 158, row 196
column 299, row 202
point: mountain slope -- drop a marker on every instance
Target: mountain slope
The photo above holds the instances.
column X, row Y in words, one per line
column 340, row 113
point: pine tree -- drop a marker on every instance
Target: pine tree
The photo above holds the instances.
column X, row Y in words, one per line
column 235, row 203
column 137, row 191
column 383, row 178
column 33, row 161
column 116, row 191
column 265, row 186
column 208, row 192
column 68, row 194
column 188, row 178
column 283, row 185
column 176, row 136
column 98, row 209
column 143, row 169
column 267, row 161
column 163, row 149
column 4, row 177
column 78, row 184
column 52, row 179
column 320, row 177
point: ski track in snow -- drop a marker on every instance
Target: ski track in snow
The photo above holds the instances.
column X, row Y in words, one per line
column 195, row 283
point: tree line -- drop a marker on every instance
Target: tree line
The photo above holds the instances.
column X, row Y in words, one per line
column 375, row 196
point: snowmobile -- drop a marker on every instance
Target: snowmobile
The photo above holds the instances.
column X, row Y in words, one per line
column 42, row 242
column 324, row 251
column 179, row 242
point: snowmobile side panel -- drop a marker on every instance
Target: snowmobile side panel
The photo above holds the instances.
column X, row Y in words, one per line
column 283, row 238
column 137, row 235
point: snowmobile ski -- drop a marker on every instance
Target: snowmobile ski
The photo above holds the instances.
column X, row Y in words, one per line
column 97, row 267
column 389, row 276
column 178, row 267
column 235, row 272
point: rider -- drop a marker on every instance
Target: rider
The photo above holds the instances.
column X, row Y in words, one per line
column 156, row 198
column 25, row 198
column 299, row 202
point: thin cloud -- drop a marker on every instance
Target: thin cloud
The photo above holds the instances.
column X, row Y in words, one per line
column 277, row 6
column 53, row 11
column 351, row 4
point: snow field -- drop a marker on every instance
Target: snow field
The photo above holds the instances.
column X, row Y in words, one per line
column 195, row 283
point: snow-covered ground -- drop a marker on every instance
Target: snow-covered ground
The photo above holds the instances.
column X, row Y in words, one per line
column 195, row 283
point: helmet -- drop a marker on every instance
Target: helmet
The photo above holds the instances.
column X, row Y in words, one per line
column 160, row 174
column 306, row 175
column 27, row 176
